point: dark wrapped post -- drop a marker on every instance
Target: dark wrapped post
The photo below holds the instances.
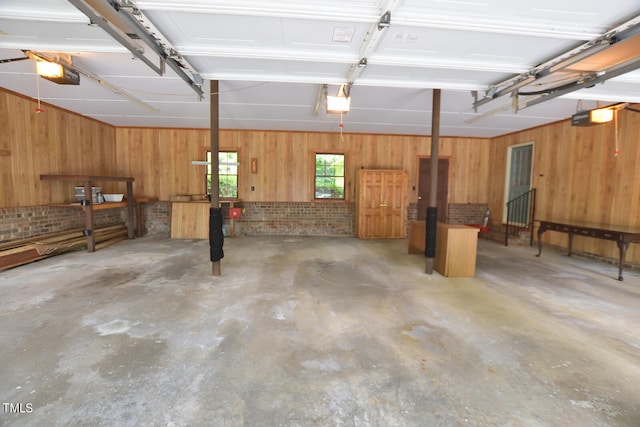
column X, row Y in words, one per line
column 430, row 236
column 216, row 237
column 432, row 211
column 215, row 213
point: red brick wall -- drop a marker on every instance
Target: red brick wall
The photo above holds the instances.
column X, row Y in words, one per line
column 298, row 218
column 155, row 218
column 466, row 213
column 31, row 221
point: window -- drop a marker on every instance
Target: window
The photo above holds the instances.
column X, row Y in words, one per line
column 227, row 173
column 329, row 176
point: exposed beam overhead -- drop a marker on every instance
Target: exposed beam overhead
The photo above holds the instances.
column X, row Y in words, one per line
column 373, row 38
column 120, row 23
column 115, row 29
column 164, row 52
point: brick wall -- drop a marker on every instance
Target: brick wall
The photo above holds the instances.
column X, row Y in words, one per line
column 32, row 221
column 412, row 212
column 298, row 218
column 466, row 213
column 155, row 218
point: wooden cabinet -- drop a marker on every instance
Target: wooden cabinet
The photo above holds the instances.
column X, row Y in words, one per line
column 381, row 203
column 456, row 248
column 417, row 236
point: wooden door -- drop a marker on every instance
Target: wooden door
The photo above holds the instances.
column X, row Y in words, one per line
column 381, row 204
column 424, row 188
column 371, row 219
column 395, row 204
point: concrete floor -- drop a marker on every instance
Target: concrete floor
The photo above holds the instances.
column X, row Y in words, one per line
column 316, row 331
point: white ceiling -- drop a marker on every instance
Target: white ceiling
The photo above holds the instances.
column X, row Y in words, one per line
column 272, row 58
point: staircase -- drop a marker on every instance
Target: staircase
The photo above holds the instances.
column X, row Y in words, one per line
column 518, row 236
column 520, row 217
column 518, row 230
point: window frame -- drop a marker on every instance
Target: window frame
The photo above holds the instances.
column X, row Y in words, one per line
column 208, row 152
column 314, row 156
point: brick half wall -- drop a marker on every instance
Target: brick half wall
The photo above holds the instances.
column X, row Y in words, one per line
column 466, row 213
column 326, row 218
column 32, row 221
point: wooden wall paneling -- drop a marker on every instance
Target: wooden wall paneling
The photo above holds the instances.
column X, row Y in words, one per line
column 9, row 133
column 581, row 178
column 160, row 158
column 628, row 125
column 268, row 180
column 54, row 141
column 246, row 152
column 285, row 164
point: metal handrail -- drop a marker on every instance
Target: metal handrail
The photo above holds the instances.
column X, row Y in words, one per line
column 521, row 214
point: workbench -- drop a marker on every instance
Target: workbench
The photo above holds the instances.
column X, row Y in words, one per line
column 88, row 205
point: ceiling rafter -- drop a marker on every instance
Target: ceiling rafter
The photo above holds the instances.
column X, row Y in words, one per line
column 120, row 22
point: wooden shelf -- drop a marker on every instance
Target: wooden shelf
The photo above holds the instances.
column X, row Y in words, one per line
column 87, row 181
column 107, row 205
column 84, row 178
column 96, row 206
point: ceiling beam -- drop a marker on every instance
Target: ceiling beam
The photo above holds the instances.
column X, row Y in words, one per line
column 374, row 36
column 120, row 23
column 115, row 29
column 161, row 50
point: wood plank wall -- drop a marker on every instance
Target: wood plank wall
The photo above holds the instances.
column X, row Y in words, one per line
column 578, row 176
column 581, row 178
column 51, row 142
column 59, row 142
column 160, row 160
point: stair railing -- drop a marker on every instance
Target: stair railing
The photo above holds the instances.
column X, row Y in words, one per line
column 521, row 214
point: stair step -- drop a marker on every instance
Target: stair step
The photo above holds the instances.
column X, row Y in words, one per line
column 517, row 236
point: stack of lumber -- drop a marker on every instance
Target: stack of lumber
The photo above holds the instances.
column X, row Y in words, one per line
column 19, row 252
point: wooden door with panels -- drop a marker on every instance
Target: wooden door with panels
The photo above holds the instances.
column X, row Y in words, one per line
column 381, row 203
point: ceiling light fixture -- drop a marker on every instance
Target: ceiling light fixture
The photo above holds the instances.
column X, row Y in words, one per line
column 49, row 69
column 340, row 103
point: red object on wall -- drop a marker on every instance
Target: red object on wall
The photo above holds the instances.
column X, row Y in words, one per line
column 235, row 213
